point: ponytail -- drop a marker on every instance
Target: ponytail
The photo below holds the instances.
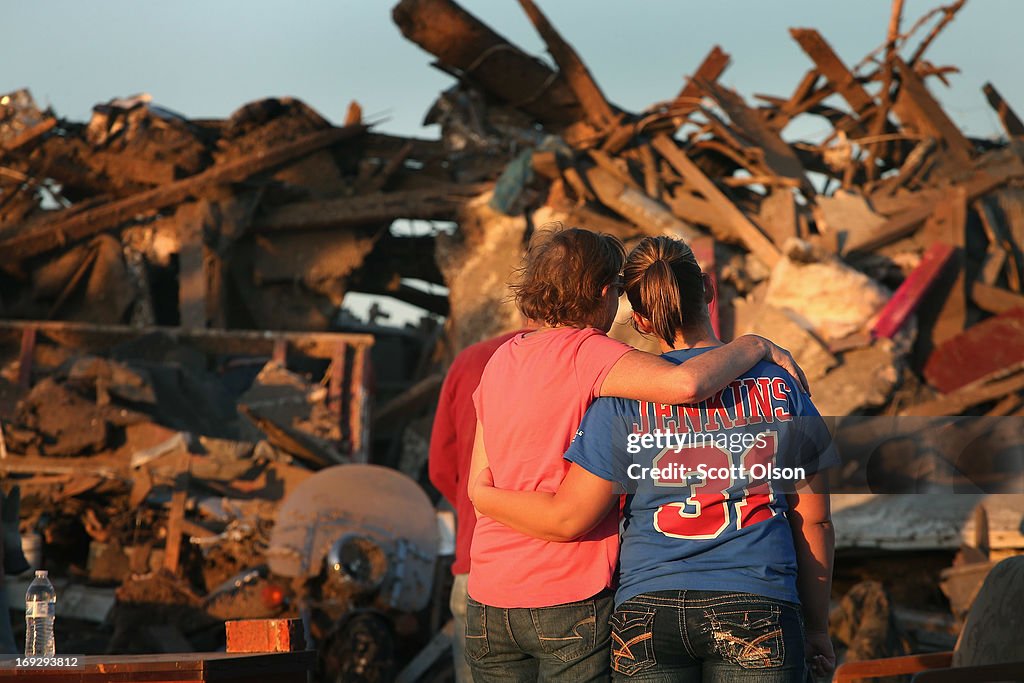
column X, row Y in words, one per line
column 664, row 284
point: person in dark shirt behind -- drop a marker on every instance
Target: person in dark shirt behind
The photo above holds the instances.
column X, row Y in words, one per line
column 451, row 447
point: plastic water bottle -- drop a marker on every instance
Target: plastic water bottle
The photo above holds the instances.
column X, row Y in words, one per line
column 40, row 608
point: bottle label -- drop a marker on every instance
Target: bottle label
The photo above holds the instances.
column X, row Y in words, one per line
column 39, row 608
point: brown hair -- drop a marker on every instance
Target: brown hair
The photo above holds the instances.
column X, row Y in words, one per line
column 563, row 274
column 664, row 283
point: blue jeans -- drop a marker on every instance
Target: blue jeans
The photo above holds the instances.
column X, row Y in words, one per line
column 707, row 636
column 567, row 642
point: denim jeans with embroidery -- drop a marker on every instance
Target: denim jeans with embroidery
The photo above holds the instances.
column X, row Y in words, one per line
column 709, row 636
column 568, row 642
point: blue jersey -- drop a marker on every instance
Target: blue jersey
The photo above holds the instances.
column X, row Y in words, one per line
column 706, row 508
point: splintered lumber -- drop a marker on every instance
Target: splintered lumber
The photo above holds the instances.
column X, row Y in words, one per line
column 912, row 291
column 1011, row 122
column 595, row 106
column 709, row 71
column 995, row 299
column 980, row 182
column 28, row 136
column 462, row 42
column 751, row 235
column 779, row 157
column 982, row 391
column 89, row 222
column 440, row 202
column 949, row 223
column 833, row 68
column 649, row 216
column 991, row 346
column 920, row 113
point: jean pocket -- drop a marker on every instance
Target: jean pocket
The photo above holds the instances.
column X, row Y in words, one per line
column 477, row 646
column 632, row 640
column 568, row 632
column 749, row 635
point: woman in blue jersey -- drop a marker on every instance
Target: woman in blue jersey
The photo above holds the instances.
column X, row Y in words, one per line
column 726, row 553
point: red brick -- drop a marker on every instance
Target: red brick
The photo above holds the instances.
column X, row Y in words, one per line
column 265, row 635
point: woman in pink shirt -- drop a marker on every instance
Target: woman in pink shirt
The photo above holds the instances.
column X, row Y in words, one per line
column 539, row 610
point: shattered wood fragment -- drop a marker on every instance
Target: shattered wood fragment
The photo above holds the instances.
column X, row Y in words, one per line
column 649, row 216
column 750, row 234
column 906, row 299
column 949, row 223
column 595, row 106
column 989, row 347
column 29, row 136
column 172, row 552
column 709, row 71
column 923, row 116
column 979, row 182
column 832, row 68
column 777, row 214
column 982, row 391
column 995, row 299
column 778, row 155
column 106, row 216
column 1007, row 116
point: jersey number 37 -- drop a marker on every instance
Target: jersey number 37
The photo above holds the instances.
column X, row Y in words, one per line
column 720, row 490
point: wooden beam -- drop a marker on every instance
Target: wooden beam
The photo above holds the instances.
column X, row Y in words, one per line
column 922, row 114
column 907, row 221
column 778, row 155
column 995, row 299
column 833, row 68
column 649, row 216
column 709, row 71
column 62, row 230
column 955, row 402
column 755, row 240
column 595, row 106
column 440, row 202
column 1011, row 122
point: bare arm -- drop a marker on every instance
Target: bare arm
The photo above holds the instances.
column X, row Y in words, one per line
column 582, row 500
column 810, row 518
column 646, row 377
column 477, row 462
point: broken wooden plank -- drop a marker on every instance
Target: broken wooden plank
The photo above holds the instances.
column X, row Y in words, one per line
column 991, row 346
column 61, row 231
column 172, row 551
column 649, row 216
column 955, row 402
column 595, row 105
column 192, row 272
column 440, row 202
column 751, row 235
column 949, row 223
column 709, row 71
column 909, row 294
column 922, row 115
column 28, row 136
column 1007, row 116
column 907, row 221
column 995, row 299
column 833, row 68
column 779, row 157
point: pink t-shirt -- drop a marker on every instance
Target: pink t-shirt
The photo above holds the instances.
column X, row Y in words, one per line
column 531, row 399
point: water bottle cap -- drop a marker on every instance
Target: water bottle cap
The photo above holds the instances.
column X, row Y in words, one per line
column 41, row 573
